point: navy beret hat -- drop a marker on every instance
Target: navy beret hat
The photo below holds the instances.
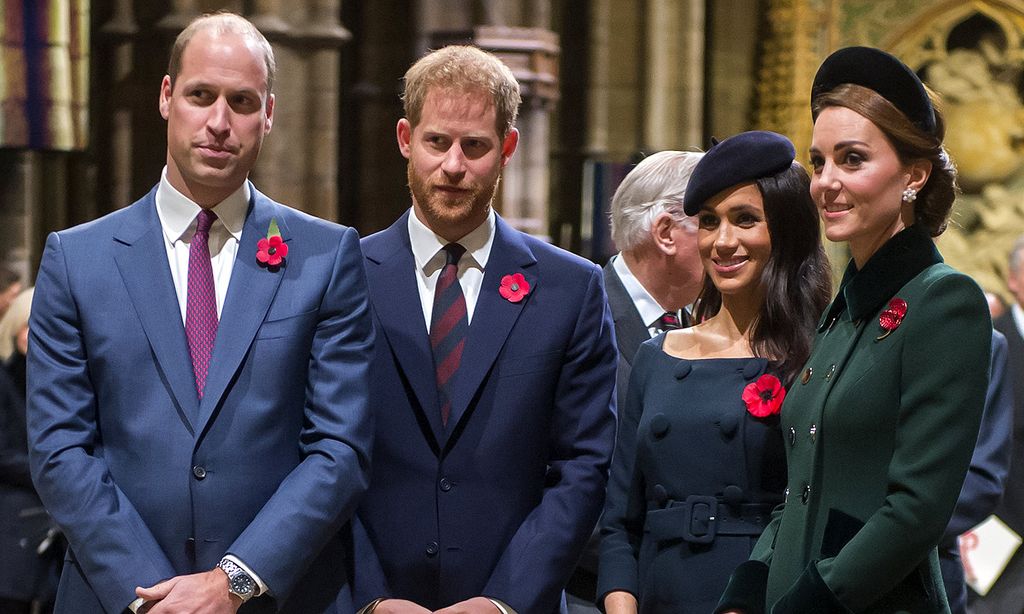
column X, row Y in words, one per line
column 882, row 72
column 742, row 158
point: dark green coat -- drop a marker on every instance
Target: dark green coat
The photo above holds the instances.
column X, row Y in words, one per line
column 879, row 432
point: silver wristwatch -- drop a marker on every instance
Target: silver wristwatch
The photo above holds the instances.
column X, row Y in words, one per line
column 239, row 582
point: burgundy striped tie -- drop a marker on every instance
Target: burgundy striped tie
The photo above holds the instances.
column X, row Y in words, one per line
column 449, row 323
column 201, row 304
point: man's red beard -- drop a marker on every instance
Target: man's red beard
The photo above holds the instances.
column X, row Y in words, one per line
column 450, row 208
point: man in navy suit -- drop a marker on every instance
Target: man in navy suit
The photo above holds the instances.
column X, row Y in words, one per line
column 198, row 370
column 494, row 372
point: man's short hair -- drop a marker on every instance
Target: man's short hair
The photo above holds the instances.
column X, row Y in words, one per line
column 657, row 184
column 461, row 68
column 1017, row 255
column 222, row 23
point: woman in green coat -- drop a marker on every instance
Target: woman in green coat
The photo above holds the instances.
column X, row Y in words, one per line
column 880, row 425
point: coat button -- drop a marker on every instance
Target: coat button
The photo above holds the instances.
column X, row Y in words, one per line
column 445, row 484
column 792, row 437
column 432, row 548
column 728, row 424
column 785, row 495
column 752, row 370
column 831, row 371
column 813, row 432
column 808, row 372
column 659, row 426
column 199, row 471
column 733, row 494
column 659, row 494
column 683, row 369
column 806, row 494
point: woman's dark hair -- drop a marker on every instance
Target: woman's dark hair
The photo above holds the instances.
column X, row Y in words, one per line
column 935, row 200
column 797, row 281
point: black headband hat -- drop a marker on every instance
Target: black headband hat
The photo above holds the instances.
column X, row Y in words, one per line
column 882, row 72
column 742, row 158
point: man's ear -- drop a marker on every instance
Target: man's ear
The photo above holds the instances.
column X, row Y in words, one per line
column 508, row 146
column 165, row 97
column 662, row 233
column 268, row 122
column 404, row 133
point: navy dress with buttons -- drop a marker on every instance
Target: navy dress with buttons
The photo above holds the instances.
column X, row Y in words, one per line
column 693, row 481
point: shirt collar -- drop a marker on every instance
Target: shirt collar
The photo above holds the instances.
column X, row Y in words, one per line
column 648, row 308
column 178, row 213
column 898, row 261
column 426, row 244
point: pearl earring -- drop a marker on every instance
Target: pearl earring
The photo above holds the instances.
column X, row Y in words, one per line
column 909, row 195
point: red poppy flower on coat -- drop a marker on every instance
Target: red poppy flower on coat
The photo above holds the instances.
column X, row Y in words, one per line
column 271, row 251
column 514, row 287
column 764, row 397
column 892, row 316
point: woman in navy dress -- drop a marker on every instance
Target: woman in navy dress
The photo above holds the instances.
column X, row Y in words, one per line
column 699, row 461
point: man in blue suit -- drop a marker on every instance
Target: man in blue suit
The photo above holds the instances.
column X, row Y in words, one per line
column 494, row 373
column 198, row 370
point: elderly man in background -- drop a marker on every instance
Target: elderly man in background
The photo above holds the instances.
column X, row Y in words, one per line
column 650, row 282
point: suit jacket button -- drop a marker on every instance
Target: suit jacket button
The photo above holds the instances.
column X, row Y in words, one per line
column 659, row 426
column 831, row 372
column 813, row 432
column 792, row 437
column 199, row 471
column 445, row 484
column 806, row 494
column 432, row 549
column 807, row 375
column 659, row 494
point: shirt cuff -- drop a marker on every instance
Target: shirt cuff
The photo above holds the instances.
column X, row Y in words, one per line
column 135, row 605
column 504, row 608
column 261, row 588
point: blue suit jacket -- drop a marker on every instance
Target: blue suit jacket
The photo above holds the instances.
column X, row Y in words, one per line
column 147, row 481
column 501, row 502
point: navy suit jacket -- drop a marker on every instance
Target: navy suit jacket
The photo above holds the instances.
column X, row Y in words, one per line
column 149, row 482
column 501, row 501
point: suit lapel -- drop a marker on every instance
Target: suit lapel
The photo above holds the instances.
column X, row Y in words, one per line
column 630, row 330
column 396, row 299
column 250, row 292
column 141, row 259
column 493, row 317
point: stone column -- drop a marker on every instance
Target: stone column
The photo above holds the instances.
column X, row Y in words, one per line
column 674, row 88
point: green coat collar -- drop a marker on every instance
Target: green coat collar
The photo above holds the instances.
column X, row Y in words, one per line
column 902, row 257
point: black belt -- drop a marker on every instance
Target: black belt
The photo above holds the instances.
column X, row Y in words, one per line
column 700, row 518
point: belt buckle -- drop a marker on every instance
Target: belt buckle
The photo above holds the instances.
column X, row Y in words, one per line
column 701, row 509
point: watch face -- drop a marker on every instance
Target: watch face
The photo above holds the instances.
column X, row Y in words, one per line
column 242, row 584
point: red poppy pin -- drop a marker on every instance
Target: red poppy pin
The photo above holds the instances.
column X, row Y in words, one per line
column 271, row 251
column 514, row 287
column 764, row 397
column 891, row 317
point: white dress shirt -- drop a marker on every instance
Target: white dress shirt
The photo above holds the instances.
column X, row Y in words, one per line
column 649, row 309
column 427, row 251
column 178, row 219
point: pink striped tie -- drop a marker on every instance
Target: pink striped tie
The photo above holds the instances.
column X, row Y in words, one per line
column 201, row 306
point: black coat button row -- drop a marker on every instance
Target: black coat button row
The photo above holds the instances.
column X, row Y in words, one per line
column 432, row 549
column 445, row 484
column 199, row 471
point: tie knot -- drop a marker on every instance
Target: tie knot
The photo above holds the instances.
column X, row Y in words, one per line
column 205, row 221
column 453, row 252
column 669, row 321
